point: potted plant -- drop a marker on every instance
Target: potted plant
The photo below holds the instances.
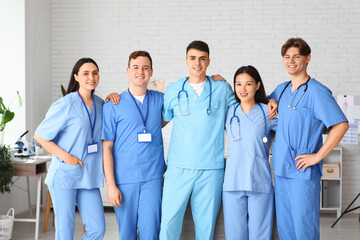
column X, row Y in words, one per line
column 6, row 169
column 6, row 116
column 6, row 165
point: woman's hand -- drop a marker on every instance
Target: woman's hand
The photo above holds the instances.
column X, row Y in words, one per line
column 218, row 77
column 273, row 106
column 114, row 97
column 71, row 160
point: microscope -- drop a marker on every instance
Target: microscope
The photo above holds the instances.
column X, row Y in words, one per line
column 23, row 148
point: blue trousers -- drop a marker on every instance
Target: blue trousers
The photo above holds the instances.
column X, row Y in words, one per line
column 90, row 207
column 248, row 215
column 203, row 188
column 140, row 210
column 298, row 207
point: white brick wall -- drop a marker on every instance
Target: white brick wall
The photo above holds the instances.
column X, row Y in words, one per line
column 238, row 32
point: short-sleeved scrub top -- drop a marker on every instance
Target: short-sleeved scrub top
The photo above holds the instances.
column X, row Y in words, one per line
column 67, row 125
column 135, row 161
column 299, row 130
column 247, row 163
column 197, row 139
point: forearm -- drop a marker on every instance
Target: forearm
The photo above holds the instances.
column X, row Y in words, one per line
column 163, row 123
column 53, row 148
column 108, row 162
column 336, row 134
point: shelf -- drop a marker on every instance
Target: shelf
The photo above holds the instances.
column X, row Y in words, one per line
column 337, row 179
column 330, row 208
column 331, row 188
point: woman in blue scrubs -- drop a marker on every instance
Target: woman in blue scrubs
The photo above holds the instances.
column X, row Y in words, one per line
column 305, row 106
column 248, row 197
column 71, row 133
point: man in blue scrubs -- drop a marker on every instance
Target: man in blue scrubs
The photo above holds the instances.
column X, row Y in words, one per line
column 197, row 104
column 133, row 153
column 305, row 106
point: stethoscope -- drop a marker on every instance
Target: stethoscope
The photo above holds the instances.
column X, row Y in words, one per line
column 187, row 98
column 265, row 139
column 306, row 87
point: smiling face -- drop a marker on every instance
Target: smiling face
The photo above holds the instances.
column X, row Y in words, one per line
column 295, row 63
column 139, row 71
column 245, row 88
column 87, row 77
column 197, row 62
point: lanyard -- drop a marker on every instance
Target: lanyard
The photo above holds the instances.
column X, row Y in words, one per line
column 147, row 111
column 87, row 111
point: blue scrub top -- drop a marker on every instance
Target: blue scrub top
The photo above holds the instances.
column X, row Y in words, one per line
column 133, row 161
column 197, row 139
column 247, row 164
column 299, row 131
column 67, row 125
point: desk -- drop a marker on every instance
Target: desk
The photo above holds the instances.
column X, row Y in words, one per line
column 32, row 169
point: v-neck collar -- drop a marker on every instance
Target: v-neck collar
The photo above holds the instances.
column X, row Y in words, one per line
column 192, row 94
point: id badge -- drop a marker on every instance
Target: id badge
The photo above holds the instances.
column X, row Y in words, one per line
column 144, row 137
column 92, row 148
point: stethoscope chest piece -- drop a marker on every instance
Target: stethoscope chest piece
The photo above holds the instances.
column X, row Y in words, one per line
column 265, row 140
column 208, row 111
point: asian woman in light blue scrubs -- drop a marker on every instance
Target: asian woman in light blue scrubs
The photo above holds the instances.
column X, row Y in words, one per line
column 71, row 133
column 248, row 197
column 305, row 106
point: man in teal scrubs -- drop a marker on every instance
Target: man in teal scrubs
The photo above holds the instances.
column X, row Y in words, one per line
column 195, row 160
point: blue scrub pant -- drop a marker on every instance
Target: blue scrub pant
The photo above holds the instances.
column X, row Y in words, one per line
column 90, row 207
column 248, row 215
column 140, row 210
column 203, row 188
column 298, row 207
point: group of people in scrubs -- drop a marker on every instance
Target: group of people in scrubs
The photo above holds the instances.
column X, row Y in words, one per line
column 122, row 140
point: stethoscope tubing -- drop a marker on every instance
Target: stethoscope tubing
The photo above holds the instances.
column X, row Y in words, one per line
column 238, row 122
column 306, row 87
column 208, row 111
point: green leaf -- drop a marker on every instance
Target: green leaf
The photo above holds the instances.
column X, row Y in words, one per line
column 20, row 100
column 6, row 169
column 8, row 116
column 63, row 91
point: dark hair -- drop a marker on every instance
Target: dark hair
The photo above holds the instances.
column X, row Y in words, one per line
column 260, row 95
column 198, row 45
column 73, row 84
column 299, row 43
column 137, row 54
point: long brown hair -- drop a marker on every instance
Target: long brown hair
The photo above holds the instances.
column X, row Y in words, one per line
column 73, row 84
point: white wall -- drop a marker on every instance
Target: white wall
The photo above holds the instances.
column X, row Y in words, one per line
column 238, row 32
column 25, row 66
column 12, row 69
column 38, row 62
column 12, row 64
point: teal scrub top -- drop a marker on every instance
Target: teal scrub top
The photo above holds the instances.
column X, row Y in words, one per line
column 67, row 125
column 135, row 161
column 197, row 139
column 299, row 130
column 247, row 164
